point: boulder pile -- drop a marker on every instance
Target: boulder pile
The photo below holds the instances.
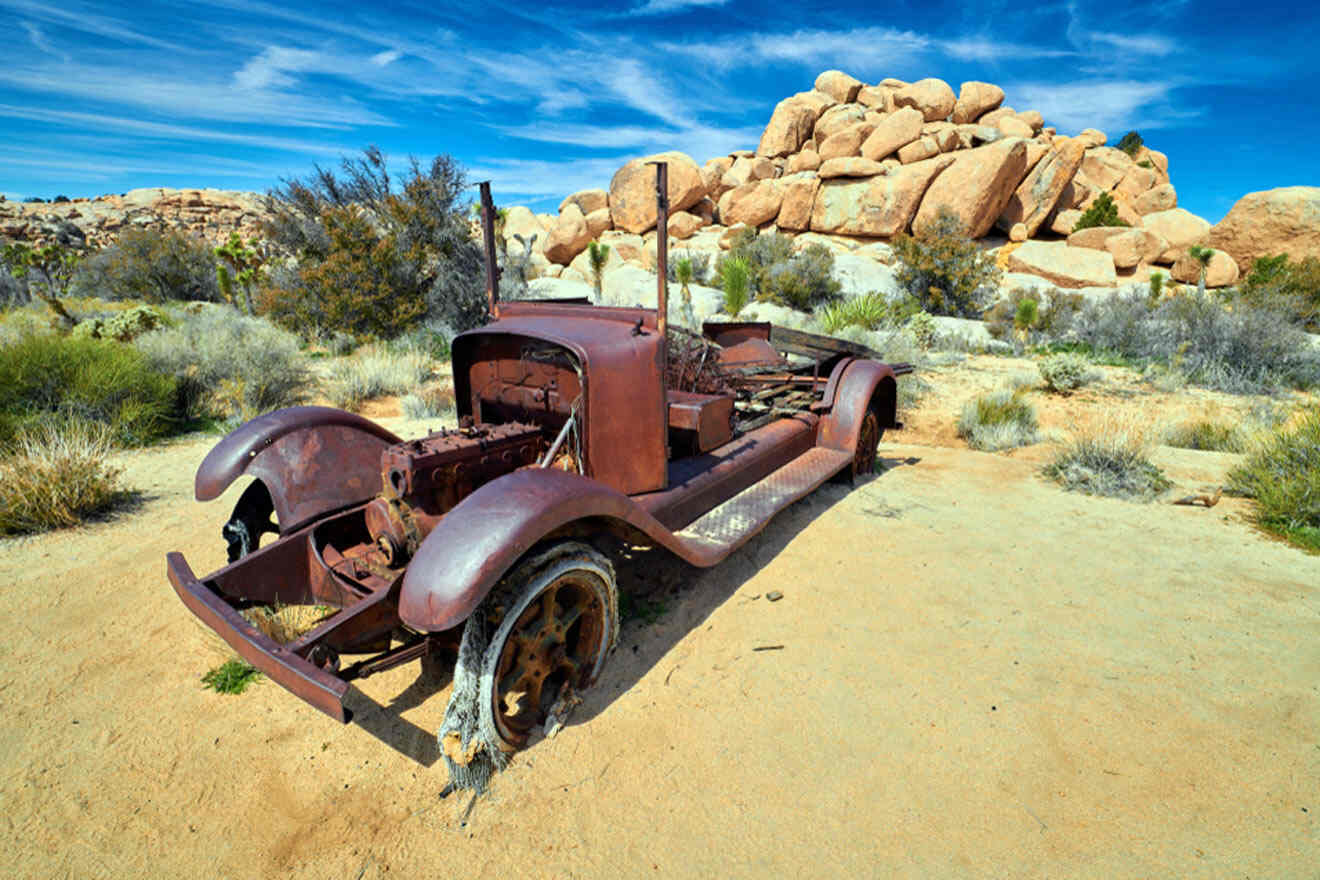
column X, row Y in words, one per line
column 857, row 163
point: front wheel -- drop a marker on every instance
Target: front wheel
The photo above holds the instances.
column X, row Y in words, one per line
column 868, row 439
column 559, row 623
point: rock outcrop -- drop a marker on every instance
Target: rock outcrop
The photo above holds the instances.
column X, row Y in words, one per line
column 632, row 190
column 1276, row 221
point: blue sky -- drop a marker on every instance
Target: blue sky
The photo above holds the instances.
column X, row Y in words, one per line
column 237, row 94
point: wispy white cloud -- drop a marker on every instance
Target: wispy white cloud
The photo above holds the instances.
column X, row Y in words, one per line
column 1138, row 44
column 382, row 59
column 537, row 179
column 74, row 15
column 667, row 7
column 38, row 39
column 184, row 96
column 167, row 131
column 1107, row 105
column 990, row 49
column 860, row 51
column 270, row 69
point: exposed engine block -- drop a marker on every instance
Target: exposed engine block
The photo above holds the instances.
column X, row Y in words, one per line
column 423, row 479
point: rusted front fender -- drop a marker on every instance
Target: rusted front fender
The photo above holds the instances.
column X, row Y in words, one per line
column 859, row 383
column 312, row 459
column 489, row 530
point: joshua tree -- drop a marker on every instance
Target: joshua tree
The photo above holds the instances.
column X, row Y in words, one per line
column 53, row 265
column 1028, row 313
column 598, row 254
column 242, row 264
column 1202, row 255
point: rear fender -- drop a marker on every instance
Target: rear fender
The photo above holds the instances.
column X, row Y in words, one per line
column 861, row 383
column 478, row 541
column 312, row 459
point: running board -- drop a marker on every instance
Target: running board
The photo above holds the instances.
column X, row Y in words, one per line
column 725, row 528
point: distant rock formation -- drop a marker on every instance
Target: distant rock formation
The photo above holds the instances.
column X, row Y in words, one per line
column 211, row 214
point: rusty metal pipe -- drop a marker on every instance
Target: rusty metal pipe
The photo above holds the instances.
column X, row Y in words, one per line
column 488, row 236
column 662, row 250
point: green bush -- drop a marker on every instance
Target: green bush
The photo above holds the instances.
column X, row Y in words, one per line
column 1065, row 372
column 998, row 420
column 45, row 378
column 152, row 265
column 945, row 270
column 1103, row 212
column 231, row 677
column 1131, row 144
column 122, row 327
column 56, row 476
column 1111, row 460
column 734, row 279
column 373, row 257
column 228, row 365
column 1292, row 288
column 1283, row 476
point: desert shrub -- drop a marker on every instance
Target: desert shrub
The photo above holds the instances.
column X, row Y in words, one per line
column 434, row 339
column 698, row 263
column 803, row 282
column 945, row 270
column 1205, row 435
column 1155, row 286
column 1065, row 372
column 122, row 327
column 998, row 420
column 869, row 311
column 1131, row 144
column 1283, row 476
column 47, row 272
column 1111, row 460
column 734, row 279
column 56, row 475
column 1292, row 288
column 777, row 273
column 1103, row 212
column 429, row 402
column 151, row 265
column 373, row 257
column 377, row 371
column 13, row 291
column 46, row 378
column 228, row 365
column 1053, row 316
column 923, row 330
column 1236, row 347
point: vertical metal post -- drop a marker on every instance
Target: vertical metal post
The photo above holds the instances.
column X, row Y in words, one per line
column 488, row 236
column 662, row 249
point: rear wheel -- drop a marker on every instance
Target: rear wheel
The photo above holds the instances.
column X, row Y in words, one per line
column 560, row 621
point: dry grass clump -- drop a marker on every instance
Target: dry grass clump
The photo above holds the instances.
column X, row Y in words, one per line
column 55, row 476
column 1206, row 435
column 286, row 623
column 998, row 420
column 1283, row 476
column 429, row 402
column 1112, row 459
column 377, row 371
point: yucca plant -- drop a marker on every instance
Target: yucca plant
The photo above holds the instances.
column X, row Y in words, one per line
column 598, row 254
column 1202, row 255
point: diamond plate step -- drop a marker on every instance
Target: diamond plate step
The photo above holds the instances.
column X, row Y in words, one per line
column 725, row 527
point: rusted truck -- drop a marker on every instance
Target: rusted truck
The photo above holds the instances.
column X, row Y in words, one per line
column 570, row 429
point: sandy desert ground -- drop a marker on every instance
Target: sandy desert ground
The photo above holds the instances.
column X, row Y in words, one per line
column 981, row 676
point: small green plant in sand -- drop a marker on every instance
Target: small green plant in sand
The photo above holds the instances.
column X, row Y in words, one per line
column 1111, row 460
column 1283, row 476
column 231, row 677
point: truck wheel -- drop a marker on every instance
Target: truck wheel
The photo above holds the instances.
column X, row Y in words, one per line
column 561, row 622
column 867, row 441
